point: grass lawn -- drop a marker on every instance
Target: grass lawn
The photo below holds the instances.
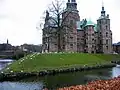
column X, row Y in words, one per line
column 37, row 62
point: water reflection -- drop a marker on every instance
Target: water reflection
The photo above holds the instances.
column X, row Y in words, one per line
column 1, row 65
column 115, row 71
column 4, row 63
column 20, row 86
column 60, row 80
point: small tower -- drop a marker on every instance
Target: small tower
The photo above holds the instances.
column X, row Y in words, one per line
column 45, row 32
column 103, row 11
column 72, row 5
column 89, row 37
column 104, row 33
column 7, row 41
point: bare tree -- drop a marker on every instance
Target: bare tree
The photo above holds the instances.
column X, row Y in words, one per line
column 55, row 13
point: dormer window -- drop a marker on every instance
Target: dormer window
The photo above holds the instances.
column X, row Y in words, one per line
column 106, row 27
column 106, row 34
column 71, row 37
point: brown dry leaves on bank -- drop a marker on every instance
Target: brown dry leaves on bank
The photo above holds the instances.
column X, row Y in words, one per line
column 112, row 84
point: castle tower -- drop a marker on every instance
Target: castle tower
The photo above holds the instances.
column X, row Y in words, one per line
column 103, row 11
column 89, row 37
column 45, row 38
column 104, row 33
column 70, row 17
column 71, row 4
column 71, row 9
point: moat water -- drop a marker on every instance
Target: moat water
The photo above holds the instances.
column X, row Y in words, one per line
column 59, row 80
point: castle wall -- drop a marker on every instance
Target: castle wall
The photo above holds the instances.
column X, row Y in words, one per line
column 80, row 41
column 90, row 39
column 70, row 30
column 73, row 40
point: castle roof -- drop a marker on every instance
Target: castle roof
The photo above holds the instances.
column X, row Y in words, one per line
column 89, row 23
column 84, row 23
column 80, row 24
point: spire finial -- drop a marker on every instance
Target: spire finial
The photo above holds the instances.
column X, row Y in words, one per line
column 7, row 41
column 103, row 11
column 102, row 3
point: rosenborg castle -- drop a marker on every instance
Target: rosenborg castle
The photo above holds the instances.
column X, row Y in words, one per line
column 84, row 36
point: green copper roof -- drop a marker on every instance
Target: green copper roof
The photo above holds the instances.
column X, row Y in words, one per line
column 81, row 24
column 89, row 23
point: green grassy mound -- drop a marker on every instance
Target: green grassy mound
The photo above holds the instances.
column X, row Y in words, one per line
column 37, row 62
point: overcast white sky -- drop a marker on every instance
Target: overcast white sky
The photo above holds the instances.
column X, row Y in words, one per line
column 19, row 18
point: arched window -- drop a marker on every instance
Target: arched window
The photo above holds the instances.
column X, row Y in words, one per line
column 71, row 45
column 106, row 34
column 106, row 27
column 107, row 47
